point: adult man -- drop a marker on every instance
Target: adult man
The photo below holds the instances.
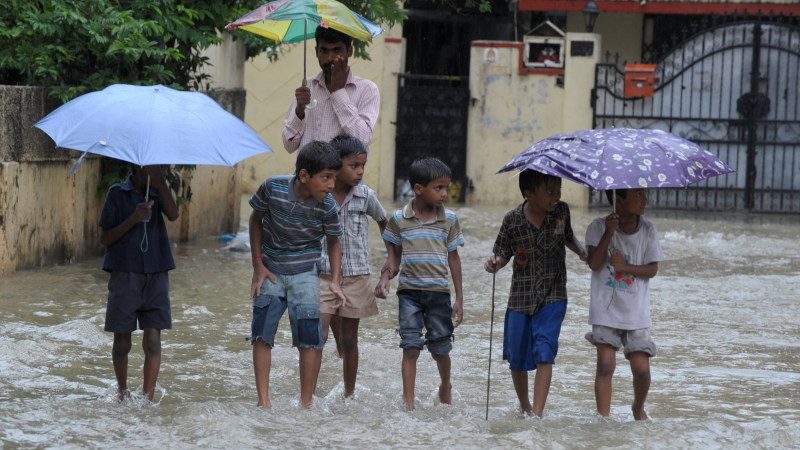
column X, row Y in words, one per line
column 345, row 103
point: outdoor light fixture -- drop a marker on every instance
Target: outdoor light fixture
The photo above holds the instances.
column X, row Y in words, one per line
column 590, row 13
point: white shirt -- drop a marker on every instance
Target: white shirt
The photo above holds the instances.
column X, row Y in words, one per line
column 621, row 300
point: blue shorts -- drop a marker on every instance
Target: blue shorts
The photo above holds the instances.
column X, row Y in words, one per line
column 141, row 298
column 298, row 293
column 532, row 339
column 429, row 309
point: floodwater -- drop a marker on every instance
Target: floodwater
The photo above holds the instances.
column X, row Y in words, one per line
column 726, row 321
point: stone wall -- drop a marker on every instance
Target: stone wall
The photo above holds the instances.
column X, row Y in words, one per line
column 49, row 217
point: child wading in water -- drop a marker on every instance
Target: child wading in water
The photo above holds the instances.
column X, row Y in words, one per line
column 357, row 203
column 424, row 237
column 535, row 234
column 623, row 254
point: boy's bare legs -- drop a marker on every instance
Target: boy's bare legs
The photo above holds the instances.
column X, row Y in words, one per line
column 445, row 388
column 347, row 344
column 151, row 343
column 336, row 328
column 409, row 371
column 541, row 387
column 119, row 357
column 640, row 368
column 310, row 361
column 606, row 363
column 262, row 363
column 520, row 379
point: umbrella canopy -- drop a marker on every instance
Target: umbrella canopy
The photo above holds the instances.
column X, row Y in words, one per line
column 296, row 20
column 621, row 158
column 148, row 125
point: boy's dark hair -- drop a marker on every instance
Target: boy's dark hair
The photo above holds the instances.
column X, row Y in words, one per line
column 425, row 170
column 315, row 157
column 610, row 194
column 530, row 179
column 347, row 145
column 332, row 36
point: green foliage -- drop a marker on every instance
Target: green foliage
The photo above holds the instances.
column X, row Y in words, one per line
column 75, row 47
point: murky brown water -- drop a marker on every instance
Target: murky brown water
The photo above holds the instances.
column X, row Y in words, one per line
column 725, row 312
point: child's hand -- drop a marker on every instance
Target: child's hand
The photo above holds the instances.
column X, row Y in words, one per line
column 382, row 289
column 336, row 288
column 143, row 211
column 492, row 264
column 260, row 273
column 458, row 312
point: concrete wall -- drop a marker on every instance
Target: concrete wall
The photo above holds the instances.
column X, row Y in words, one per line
column 622, row 33
column 48, row 217
column 270, row 89
column 513, row 109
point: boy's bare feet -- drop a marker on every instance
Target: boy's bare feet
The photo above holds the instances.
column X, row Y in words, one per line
column 446, row 394
column 265, row 405
column 640, row 414
column 123, row 395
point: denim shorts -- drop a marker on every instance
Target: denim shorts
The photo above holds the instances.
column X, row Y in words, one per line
column 630, row 340
column 532, row 339
column 429, row 309
column 138, row 297
column 300, row 295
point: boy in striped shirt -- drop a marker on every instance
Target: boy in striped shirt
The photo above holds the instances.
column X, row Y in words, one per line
column 424, row 238
column 291, row 215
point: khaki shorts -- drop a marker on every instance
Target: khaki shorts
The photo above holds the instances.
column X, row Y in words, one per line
column 359, row 293
column 630, row 340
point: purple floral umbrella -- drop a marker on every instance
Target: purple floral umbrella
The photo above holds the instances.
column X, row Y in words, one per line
column 621, row 158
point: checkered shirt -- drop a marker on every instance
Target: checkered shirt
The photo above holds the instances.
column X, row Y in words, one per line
column 359, row 203
column 539, row 268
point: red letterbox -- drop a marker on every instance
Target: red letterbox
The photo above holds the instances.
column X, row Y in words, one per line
column 640, row 79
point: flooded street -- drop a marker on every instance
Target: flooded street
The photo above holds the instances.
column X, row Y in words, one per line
column 725, row 318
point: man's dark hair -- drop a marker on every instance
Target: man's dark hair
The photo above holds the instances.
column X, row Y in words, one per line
column 425, row 170
column 530, row 179
column 610, row 194
column 348, row 145
column 332, row 36
column 317, row 156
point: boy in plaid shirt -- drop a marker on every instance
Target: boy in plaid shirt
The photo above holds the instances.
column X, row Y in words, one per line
column 535, row 234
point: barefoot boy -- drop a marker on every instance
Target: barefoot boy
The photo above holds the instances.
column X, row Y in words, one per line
column 291, row 215
column 535, row 233
column 623, row 255
column 139, row 257
column 357, row 204
column 424, row 237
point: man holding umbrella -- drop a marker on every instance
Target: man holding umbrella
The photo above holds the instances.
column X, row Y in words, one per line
column 335, row 101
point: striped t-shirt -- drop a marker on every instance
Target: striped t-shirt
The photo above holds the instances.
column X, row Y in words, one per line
column 425, row 247
column 292, row 228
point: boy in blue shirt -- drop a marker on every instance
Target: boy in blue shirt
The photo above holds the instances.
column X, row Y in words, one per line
column 291, row 215
column 138, row 257
column 424, row 237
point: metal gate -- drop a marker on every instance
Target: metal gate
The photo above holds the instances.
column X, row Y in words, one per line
column 432, row 121
column 734, row 89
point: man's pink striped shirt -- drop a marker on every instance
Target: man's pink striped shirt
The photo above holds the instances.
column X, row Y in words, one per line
column 352, row 110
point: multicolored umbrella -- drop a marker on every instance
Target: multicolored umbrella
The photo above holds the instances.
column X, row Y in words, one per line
column 290, row 21
column 621, row 158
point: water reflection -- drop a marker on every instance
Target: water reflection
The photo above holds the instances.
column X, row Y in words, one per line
column 725, row 316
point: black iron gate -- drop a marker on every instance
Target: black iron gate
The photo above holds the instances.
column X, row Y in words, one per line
column 734, row 89
column 432, row 121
